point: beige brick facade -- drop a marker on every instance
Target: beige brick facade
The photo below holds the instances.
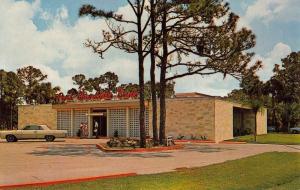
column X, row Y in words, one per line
column 190, row 117
column 37, row 114
column 223, row 120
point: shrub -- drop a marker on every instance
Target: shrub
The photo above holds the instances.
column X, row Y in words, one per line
column 116, row 133
column 122, row 142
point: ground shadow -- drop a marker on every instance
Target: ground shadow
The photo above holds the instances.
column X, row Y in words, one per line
column 33, row 141
column 204, row 148
column 89, row 150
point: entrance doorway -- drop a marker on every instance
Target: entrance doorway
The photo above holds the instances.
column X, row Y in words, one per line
column 99, row 125
column 243, row 121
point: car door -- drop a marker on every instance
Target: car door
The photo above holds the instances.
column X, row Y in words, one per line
column 29, row 132
column 40, row 132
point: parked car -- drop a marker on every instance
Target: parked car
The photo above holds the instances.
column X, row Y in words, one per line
column 271, row 129
column 33, row 132
column 295, row 130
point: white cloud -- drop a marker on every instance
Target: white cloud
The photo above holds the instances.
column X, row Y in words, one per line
column 279, row 51
column 273, row 10
column 213, row 84
column 63, row 13
column 53, row 76
column 58, row 50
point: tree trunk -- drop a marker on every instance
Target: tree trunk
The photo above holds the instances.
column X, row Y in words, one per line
column 11, row 116
column 162, row 126
column 255, row 125
column 141, row 77
column 152, row 74
column 288, row 119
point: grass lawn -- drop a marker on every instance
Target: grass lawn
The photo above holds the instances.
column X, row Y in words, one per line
column 268, row 171
column 272, row 138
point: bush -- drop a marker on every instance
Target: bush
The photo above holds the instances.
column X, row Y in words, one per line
column 122, row 142
column 116, row 133
column 180, row 137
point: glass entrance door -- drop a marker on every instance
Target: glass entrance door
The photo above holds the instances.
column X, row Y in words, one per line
column 99, row 126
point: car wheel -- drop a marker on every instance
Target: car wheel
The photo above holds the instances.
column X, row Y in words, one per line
column 295, row 132
column 49, row 138
column 11, row 138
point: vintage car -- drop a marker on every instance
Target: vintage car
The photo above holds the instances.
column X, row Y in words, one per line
column 295, row 130
column 33, row 132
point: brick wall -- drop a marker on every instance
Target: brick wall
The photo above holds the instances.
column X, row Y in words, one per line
column 223, row 120
column 190, row 116
column 37, row 114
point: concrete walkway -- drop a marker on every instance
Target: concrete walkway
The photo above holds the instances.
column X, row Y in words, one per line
column 38, row 161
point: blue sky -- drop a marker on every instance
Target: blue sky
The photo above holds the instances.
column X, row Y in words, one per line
column 48, row 34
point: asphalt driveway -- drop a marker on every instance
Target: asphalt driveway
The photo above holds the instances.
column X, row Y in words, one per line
column 38, row 161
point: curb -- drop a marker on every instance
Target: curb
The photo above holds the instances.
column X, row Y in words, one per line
column 194, row 141
column 233, row 142
column 76, row 180
column 159, row 149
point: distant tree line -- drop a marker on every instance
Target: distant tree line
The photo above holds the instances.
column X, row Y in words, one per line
column 26, row 86
column 109, row 82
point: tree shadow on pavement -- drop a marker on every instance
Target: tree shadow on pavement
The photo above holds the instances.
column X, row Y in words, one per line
column 204, row 148
column 89, row 150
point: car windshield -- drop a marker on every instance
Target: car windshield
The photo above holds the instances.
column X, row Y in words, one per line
column 33, row 127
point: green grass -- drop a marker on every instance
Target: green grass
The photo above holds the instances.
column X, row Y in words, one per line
column 272, row 138
column 268, row 171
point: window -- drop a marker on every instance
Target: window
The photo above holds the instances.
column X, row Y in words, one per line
column 134, row 122
column 117, row 122
column 64, row 121
column 80, row 116
column 33, row 127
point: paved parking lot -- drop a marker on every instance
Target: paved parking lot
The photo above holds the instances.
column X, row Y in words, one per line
column 38, row 161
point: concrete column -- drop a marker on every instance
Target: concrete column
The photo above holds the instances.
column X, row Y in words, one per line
column 108, row 126
column 72, row 123
column 127, row 122
column 90, row 128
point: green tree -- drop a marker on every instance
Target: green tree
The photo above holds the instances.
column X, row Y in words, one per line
column 11, row 94
column 130, row 87
column 170, row 90
column 284, row 88
column 253, row 88
column 44, row 93
column 72, row 92
column 110, row 79
column 105, row 82
column 31, row 78
column 80, row 81
column 237, row 95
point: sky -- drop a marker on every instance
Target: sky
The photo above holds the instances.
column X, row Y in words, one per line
column 49, row 35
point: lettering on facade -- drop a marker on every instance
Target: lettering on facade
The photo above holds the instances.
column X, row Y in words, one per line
column 83, row 96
